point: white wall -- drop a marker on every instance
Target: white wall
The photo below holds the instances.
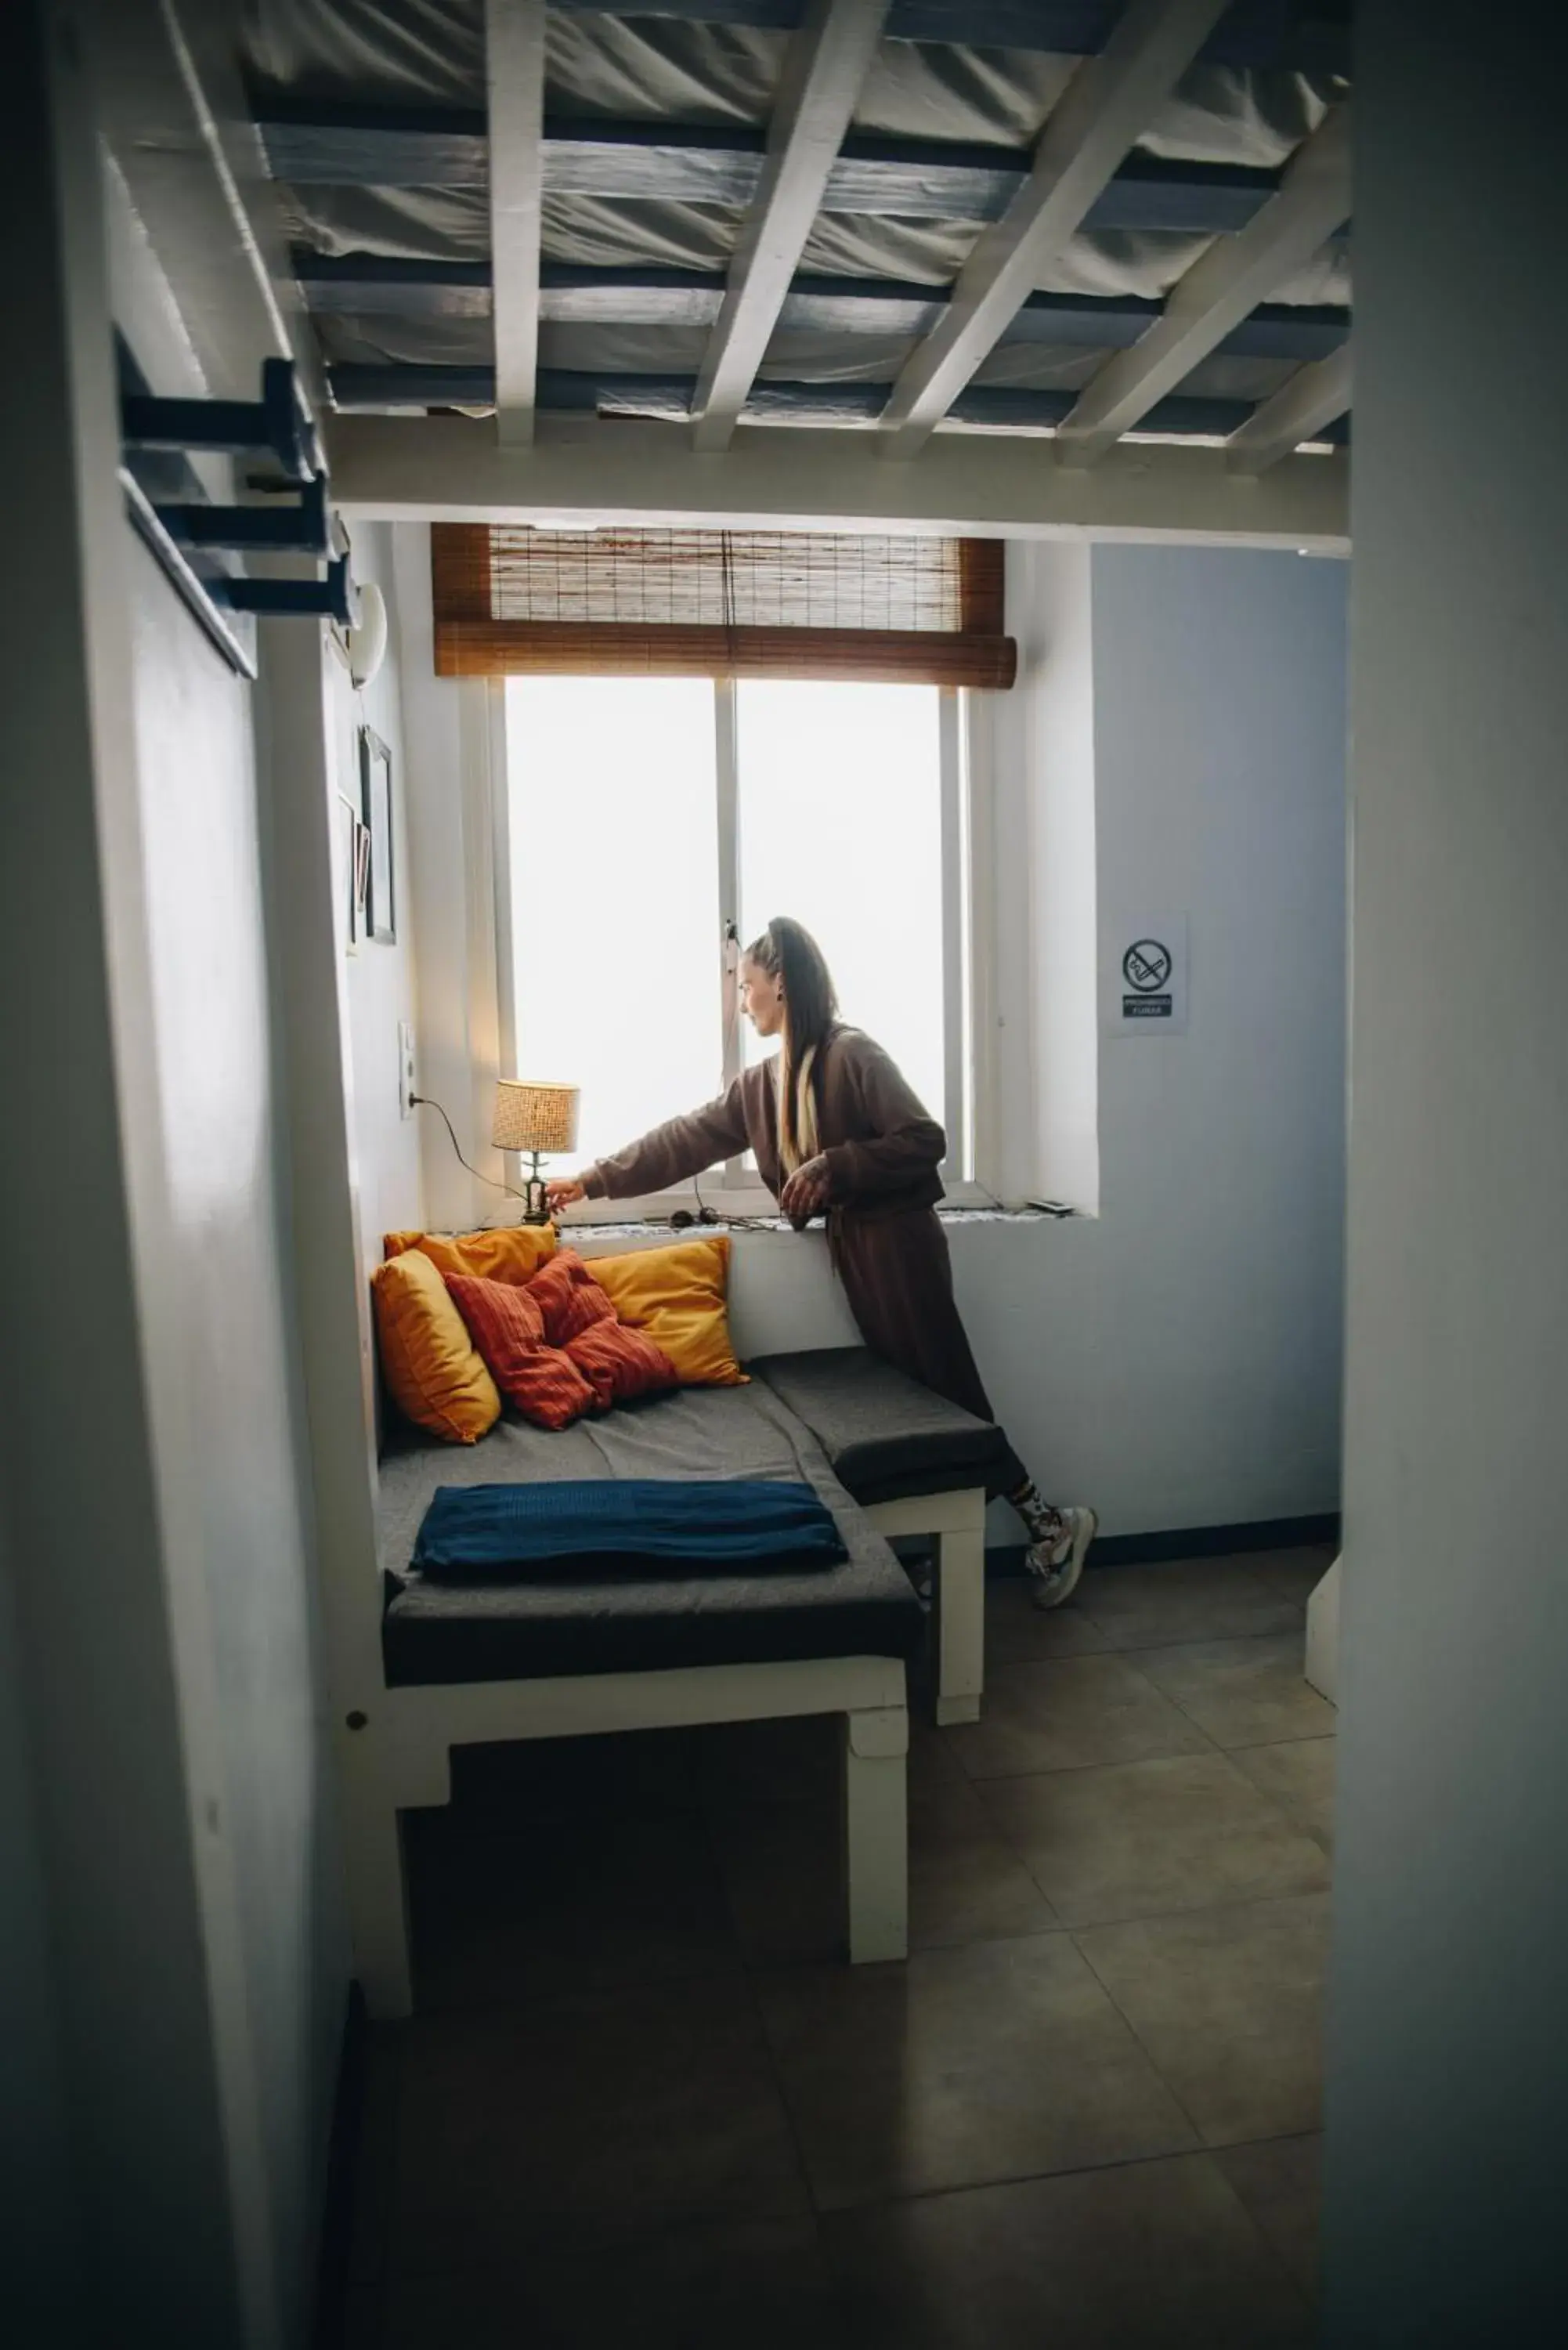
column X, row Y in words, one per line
column 172, row 1854
column 1221, row 748
column 307, row 924
column 230, row 1342
column 1449, row 2056
column 451, row 847
column 381, row 979
column 1040, row 778
column 37, row 2192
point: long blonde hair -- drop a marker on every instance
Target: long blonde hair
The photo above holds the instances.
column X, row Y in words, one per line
column 789, row 953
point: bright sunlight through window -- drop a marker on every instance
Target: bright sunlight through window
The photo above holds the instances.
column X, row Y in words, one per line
column 615, row 895
column 619, row 887
column 841, row 826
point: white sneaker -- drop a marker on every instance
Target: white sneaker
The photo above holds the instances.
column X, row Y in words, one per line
column 1056, row 1566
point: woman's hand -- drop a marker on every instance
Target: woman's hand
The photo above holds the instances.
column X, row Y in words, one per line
column 806, row 1193
column 563, row 1192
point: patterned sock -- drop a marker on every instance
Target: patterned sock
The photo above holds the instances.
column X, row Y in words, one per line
column 1042, row 1522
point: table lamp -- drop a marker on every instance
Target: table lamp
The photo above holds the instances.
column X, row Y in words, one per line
column 539, row 1121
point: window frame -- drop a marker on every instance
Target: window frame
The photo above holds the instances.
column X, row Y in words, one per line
column 734, row 1191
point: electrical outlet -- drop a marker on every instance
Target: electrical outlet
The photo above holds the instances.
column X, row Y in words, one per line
column 407, row 1085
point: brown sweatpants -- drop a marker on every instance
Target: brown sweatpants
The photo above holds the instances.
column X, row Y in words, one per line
column 897, row 1276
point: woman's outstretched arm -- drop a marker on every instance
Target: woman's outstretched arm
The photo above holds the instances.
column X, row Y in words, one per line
column 681, row 1147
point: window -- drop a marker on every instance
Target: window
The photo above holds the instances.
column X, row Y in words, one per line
column 840, row 816
column 646, row 814
column 616, row 939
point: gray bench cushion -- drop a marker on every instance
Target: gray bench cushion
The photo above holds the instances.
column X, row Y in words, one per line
column 468, row 1632
column 886, row 1436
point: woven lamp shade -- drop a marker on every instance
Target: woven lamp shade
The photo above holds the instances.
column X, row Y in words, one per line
column 532, row 1117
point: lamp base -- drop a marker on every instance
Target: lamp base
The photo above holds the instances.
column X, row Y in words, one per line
column 536, row 1198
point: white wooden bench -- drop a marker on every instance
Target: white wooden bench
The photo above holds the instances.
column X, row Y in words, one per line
column 437, row 1671
column 445, row 1666
column 398, row 1758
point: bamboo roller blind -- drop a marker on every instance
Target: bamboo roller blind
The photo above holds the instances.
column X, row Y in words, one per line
column 512, row 601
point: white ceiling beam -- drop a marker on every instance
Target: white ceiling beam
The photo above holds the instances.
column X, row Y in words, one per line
column 595, row 471
column 1315, row 395
column 825, row 65
column 1218, row 292
column 1110, row 99
column 514, row 87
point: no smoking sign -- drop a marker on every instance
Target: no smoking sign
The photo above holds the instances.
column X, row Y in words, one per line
column 1143, row 977
column 1146, row 966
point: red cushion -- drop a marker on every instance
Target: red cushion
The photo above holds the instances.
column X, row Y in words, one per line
column 568, row 1297
column 620, row 1364
column 507, row 1326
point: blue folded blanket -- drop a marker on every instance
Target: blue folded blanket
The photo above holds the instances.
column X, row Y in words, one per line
column 604, row 1527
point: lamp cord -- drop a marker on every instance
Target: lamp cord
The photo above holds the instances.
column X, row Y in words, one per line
column 423, row 1101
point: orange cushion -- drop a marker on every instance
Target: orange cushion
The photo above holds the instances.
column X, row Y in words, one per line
column 538, row 1380
column 570, row 1298
column 511, row 1252
column 620, row 1364
column 678, row 1296
column 435, row 1376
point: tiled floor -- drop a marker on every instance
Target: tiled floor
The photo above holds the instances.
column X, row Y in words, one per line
column 643, row 2102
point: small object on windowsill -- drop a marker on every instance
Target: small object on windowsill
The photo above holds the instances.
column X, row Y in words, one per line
column 538, row 1119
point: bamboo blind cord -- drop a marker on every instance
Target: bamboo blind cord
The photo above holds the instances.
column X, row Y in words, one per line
column 727, row 557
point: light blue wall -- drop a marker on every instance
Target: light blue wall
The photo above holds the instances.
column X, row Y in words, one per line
column 1176, row 1361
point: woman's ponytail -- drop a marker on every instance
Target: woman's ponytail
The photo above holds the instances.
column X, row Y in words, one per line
column 788, row 952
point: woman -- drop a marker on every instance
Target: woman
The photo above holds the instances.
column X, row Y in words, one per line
column 837, row 1130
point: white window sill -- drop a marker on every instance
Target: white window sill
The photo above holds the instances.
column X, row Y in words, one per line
column 625, row 1219
column 753, row 1203
column 744, row 1204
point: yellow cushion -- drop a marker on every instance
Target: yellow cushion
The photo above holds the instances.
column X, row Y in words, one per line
column 436, row 1377
column 678, row 1296
column 513, row 1253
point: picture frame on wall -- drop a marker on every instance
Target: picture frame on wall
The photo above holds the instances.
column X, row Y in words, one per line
column 351, row 866
column 376, row 794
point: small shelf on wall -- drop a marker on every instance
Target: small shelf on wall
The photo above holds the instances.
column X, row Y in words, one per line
column 202, row 542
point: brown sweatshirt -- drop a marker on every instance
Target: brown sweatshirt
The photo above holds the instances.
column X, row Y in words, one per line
column 882, row 1150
